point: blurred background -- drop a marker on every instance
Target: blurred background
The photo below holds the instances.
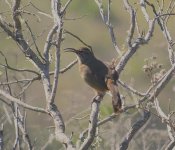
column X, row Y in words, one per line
column 73, row 95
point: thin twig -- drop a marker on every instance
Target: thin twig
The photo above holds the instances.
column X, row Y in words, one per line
column 69, row 66
column 34, row 40
column 107, row 22
column 65, row 7
column 78, row 38
column 131, row 89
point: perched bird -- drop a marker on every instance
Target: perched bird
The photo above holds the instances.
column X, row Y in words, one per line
column 101, row 77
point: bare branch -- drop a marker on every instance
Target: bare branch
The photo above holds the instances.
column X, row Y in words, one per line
column 19, row 81
column 50, row 92
column 65, row 7
column 134, row 129
column 17, row 141
column 140, row 123
column 60, row 127
column 107, row 22
column 133, row 22
column 48, row 44
column 22, row 127
column 131, row 51
column 56, row 12
column 170, row 146
column 159, row 110
column 15, row 69
column 1, row 138
column 164, row 117
column 92, row 123
column 156, row 14
column 20, row 70
column 63, row 70
column 7, row 103
column 34, row 40
column 166, row 33
column 5, row 27
column 27, row 106
column 163, row 83
column 18, row 36
column 131, row 89
column 109, row 118
column 78, row 38
column 143, row 8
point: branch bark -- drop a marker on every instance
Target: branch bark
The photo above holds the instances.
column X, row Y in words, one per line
column 1, row 138
column 134, row 129
column 92, row 123
column 27, row 106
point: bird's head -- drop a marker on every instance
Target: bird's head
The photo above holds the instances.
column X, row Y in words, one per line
column 84, row 54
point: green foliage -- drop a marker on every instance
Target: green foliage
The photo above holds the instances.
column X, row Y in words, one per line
column 105, row 110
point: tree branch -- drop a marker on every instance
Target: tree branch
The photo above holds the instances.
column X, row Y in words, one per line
column 15, row 100
column 92, row 123
column 107, row 22
column 1, row 138
column 132, row 22
column 63, row 70
column 131, row 51
column 131, row 89
column 162, row 83
column 65, row 7
column 48, row 44
column 134, row 129
column 78, row 38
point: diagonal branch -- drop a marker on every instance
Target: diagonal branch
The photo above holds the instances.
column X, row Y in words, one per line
column 65, row 7
column 78, row 38
column 138, row 42
column 15, row 69
column 134, row 129
column 170, row 129
column 163, row 26
column 162, row 83
column 131, row 89
column 34, row 40
column 5, row 27
column 63, row 70
column 18, row 37
column 15, row 100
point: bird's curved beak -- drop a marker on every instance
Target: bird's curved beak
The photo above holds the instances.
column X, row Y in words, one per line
column 70, row 50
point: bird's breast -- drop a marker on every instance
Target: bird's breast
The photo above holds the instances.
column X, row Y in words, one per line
column 85, row 71
column 92, row 78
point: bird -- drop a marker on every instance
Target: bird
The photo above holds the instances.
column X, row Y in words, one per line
column 99, row 76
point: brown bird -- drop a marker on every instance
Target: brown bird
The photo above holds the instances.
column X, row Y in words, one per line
column 99, row 76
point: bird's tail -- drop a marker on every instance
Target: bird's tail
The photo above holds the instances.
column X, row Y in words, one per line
column 116, row 100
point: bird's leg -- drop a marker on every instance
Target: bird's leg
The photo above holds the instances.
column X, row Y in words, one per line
column 95, row 106
column 98, row 97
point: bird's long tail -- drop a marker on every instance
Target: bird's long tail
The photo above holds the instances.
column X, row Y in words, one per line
column 116, row 100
